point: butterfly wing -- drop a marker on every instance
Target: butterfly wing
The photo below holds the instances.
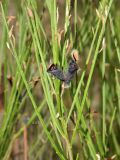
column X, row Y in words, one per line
column 72, row 69
column 57, row 72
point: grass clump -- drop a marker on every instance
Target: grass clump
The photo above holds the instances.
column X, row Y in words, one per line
column 37, row 119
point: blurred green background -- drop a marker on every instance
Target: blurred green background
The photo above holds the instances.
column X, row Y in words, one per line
column 36, row 121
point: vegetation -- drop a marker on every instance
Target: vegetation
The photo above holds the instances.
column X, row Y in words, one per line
column 38, row 120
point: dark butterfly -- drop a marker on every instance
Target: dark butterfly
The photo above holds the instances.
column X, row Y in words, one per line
column 65, row 77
